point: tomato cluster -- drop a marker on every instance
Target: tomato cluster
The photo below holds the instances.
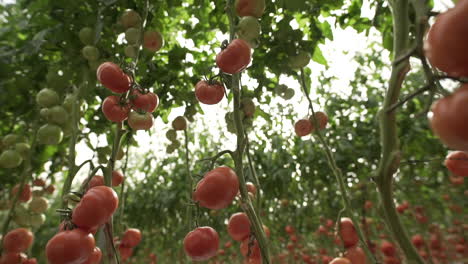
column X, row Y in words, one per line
column 130, row 239
column 75, row 242
column 15, row 243
column 304, row 127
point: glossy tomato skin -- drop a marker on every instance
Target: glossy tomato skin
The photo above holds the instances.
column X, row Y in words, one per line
column 217, row 189
column 70, row 247
column 18, row 240
column 457, row 163
column 30, row 261
column 340, row 261
column 253, row 8
column 95, row 257
column 113, row 110
column 356, row 255
column 140, row 121
column 348, row 233
column 131, row 237
column 303, row 127
column 446, row 42
column 147, row 102
column 117, row 178
column 97, row 180
column 239, row 226
column 95, row 208
column 209, row 94
column 235, row 57
column 449, row 119
column 113, row 78
column 201, row 243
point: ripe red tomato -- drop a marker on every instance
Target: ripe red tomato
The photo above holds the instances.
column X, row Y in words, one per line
column 356, row 255
column 31, row 261
column 25, row 195
column 117, row 178
column 113, row 110
column 125, row 252
column 50, row 189
column 289, row 229
column 153, row 41
column 340, row 261
column 131, row 237
column 239, row 226
column 446, row 42
column 401, row 208
column 201, row 243
column 388, row 249
column 18, row 240
column 417, row 240
column 449, row 119
column 95, row 208
column 253, row 8
column 251, row 188
column 113, row 78
column 217, row 189
column 235, row 57
column 95, row 257
column 137, row 121
column 368, row 205
column 303, row 127
column 71, row 246
column 97, row 180
column 348, row 232
column 209, row 93
column 147, row 102
column 39, row 182
column 456, row 180
column 457, row 163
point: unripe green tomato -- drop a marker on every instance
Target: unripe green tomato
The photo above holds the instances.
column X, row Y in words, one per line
column 176, row 144
column 23, row 149
column 179, row 123
column 231, row 127
column 131, row 51
column 22, row 216
column 10, row 159
column 57, row 115
column 170, row 149
column 67, row 129
column 130, row 18
column 49, row 134
column 38, row 205
column 86, row 36
column 90, row 53
column 37, row 193
column 288, row 94
column 248, row 107
column 248, row 28
column 132, row 35
column 281, row 89
column 10, row 140
column 171, row 134
column 47, row 98
column 44, row 113
column 36, row 220
column 301, row 60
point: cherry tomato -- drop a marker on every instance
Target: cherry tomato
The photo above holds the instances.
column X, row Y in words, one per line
column 289, row 229
column 97, row 180
column 303, row 127
column 113, row 78
column 71, row 247
column 239, row 226
column 322, row 120
column 95, row 257
column 251, row 188
column 147, row 102
column 130, row 18
column 95, row 208
column 388, row 249
column 140, row 121
column 39, row 182
column 209, row 93
column 179, row 123
column 253, row 8
column 446, row 42
column 201, row 243
column 255, row 253
column 131, row 237
column 12, row 258
column 457, row 163
column 18, row 240
column 217, row 189
column 356, row 255
column 25, row 195
column 348, row 232
column 113, row 110
column 449, row 119
column 117, row 178
column 235, row 57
